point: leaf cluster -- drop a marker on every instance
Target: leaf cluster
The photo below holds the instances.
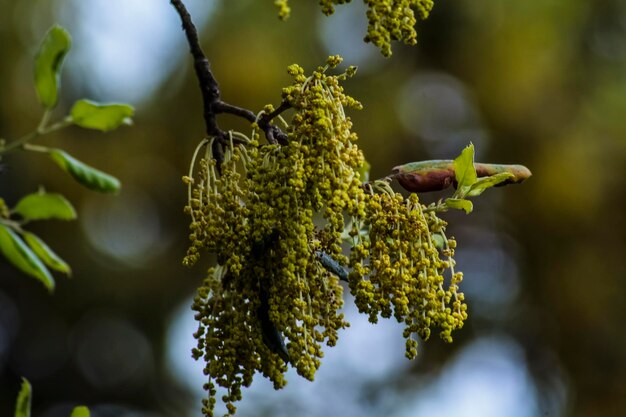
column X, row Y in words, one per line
column 468, row 183
column 26, row 251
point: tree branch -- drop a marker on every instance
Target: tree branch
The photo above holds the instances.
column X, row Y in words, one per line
column 212, row 104
column 208, row 84
column 273, row 133
column 222, row 107
column 332, row 265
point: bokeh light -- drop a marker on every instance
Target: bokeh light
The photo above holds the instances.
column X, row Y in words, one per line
column 125, row 49
column 485, row 379
column 110, row 353
column 438, row 109
column 127, row 228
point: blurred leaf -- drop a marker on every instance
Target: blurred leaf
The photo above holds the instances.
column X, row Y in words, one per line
column 20, row 255
column 460, row 204
column 80, row 411
column 47, row 255
column 438, row 240
column 40, row 206
column 364, row 171
column 4, row 209
column 487, row 182
column 104, row 117
column 22, row 404
column 88, row 176
column 464, row 170
column 48, row 62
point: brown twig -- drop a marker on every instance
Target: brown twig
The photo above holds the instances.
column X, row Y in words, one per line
column 208, row 84
column 209, row 87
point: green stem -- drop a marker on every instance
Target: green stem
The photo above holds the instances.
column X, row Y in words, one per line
column 440, row 207
column 44, row 121
column 19, row 142
column 36, row 148
column 42, row 129
column 12, row 224
column 57, row 126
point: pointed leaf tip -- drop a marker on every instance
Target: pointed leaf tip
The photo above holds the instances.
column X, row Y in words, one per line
column 22, row 405
column 464, row 170
column 47, row 255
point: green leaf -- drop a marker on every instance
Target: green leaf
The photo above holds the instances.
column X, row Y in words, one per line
column 41, row 206
column 460, row 204
column 104, row 117
column 48, row 62
column 22, row 404
column 80, row 411
column 487, row 182
column 88, row 176
column 437, row 240
column 464, row 170
column 47, row 255
column 15, row 250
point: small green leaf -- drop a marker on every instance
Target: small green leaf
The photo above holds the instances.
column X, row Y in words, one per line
column 22, row 404
column 464, row 170
column 438, row 240
column 88, row 176
column 460, row 204
column 80, row 411
column 48, row 62
column 41, row 206
column 487, row 182
column 104, row 117
column 15, row 250
column 47, row 255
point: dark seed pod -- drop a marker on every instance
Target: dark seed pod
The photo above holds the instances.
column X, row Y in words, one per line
column 438, row 174
column 425, row 176
column 520, row 172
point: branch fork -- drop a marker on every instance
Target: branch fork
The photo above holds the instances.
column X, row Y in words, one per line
column 212, row 103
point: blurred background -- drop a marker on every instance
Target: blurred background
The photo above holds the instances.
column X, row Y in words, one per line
column 538, row 82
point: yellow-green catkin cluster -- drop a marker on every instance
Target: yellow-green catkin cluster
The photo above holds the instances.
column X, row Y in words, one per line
column 394, row 20
column 399, row 268
column 283, row 9
column 388, row 20
column 271, row 212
